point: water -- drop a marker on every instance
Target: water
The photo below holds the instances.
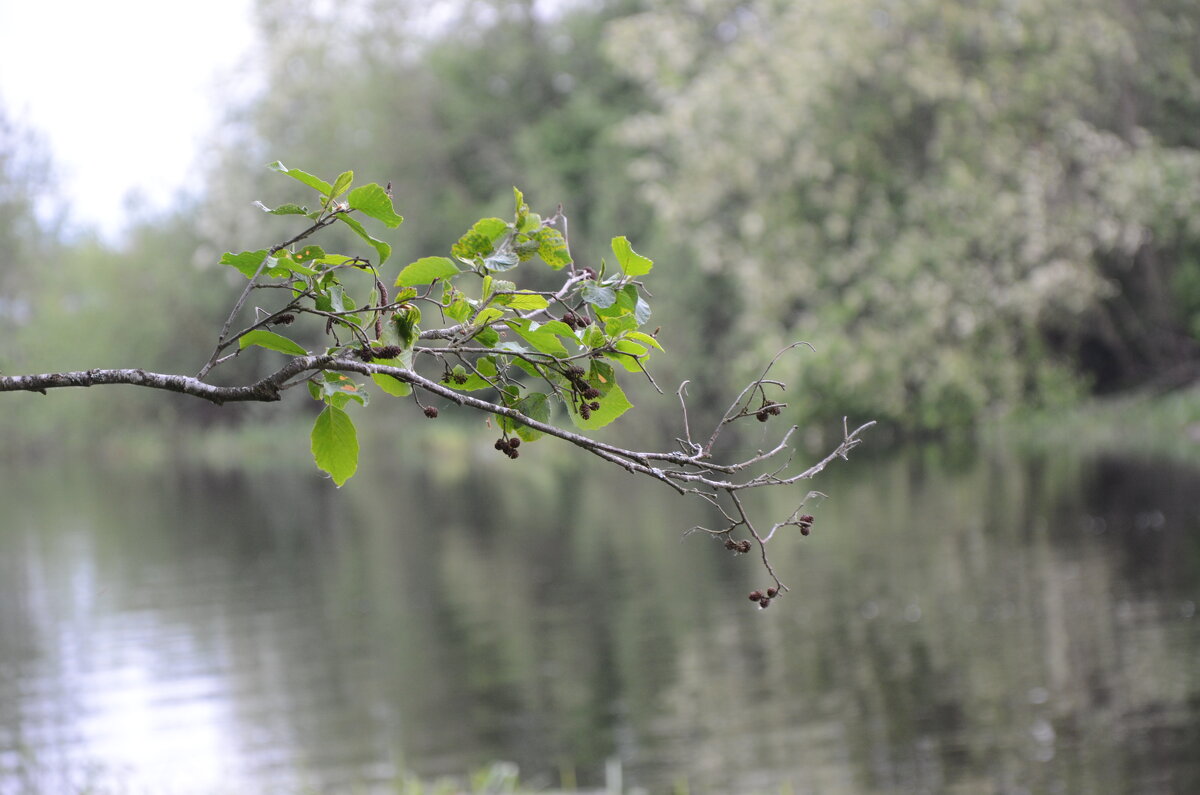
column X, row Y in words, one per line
column 959, row 621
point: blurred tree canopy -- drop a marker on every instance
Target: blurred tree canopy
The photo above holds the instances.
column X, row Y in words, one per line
column 975, row 204
column 965, row 207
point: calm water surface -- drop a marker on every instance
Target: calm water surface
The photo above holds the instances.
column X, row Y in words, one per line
column 964, row 622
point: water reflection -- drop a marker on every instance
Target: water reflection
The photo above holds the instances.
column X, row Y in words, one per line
column 960, row 621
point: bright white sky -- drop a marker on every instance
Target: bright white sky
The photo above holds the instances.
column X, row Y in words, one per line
column 122, row 90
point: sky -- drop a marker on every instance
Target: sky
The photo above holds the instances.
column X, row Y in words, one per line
column 122, row 91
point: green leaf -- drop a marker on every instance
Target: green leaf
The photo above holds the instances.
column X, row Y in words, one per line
column 487, row 337
column 522, row 209
column 293, row 260
column 403, row 330
column 341, row 184
column 625, row 303
column 480, row 240
column 384, row 249
column 620, row 324
column 271, row 341
column 486, row 368
column 459, row 310
column 283, row 209
column 247, row 263
column 532, row 222
column 374, row 201
column 613, row 402
column 643, row 337
column 535, row 406
column 523, row 300
column 426, row 270
column 597, row 295
column 390, row 384
column 552, row 248
column 523, row 364
column 629, row 355
column 340, row 399
column 501, row 261
column 641, row 311
column 486, row 316
column 303, row 176
column 543, row 338
column 593, row 337
column 632, row 263
column 308, row 253
column 335, row 444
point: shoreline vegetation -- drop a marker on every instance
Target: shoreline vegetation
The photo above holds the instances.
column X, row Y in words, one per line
column 1135, row 423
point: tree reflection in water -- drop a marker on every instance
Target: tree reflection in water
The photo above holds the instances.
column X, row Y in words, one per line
column 960, row 621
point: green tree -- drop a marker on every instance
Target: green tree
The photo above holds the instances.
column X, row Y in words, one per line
column 947, row 200
column 28, row 226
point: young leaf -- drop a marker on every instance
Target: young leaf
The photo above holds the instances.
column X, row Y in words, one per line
column 341, row 184
column 426, row 270
column 522, row 208
column 632, row 263
column 373, row 200
column 384, row 249
column 335, row 444
column 404, row 328
column 271, row 341
column 316, row 184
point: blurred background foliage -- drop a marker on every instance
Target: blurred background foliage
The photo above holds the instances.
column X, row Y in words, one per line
column 967, row 208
